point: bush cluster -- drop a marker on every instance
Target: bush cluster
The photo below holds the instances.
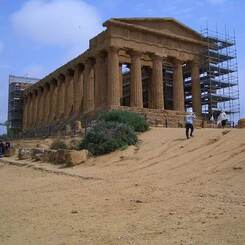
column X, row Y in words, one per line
column 107, row 136
column 113, row 130
column 58, row 144
column 132, row 119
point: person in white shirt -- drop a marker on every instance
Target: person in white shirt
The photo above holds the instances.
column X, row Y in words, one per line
column 189, row 120
column 222, row 119
column 212, row 121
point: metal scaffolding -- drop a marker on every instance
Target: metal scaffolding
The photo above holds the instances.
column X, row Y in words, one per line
column 219, row 77
column 17, row 85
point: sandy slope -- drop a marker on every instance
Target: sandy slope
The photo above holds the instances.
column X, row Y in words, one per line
column 166, row 190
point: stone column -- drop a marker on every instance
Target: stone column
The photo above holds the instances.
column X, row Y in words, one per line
column 52, row 101
column 78, row 88
column 61, row 97
column 113, row 77
column 178, row 87
column 40, row 106
column 28, row 111
column 121, row 83
column 88, row 96
column 31, row 111
column 35, row 94
column 68, row 93
column 136, row 94
column 46, row 103
column 25, row 111
column 196, row 91
column 157, row 83
column 100, row 81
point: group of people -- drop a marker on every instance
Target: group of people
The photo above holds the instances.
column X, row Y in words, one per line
column 190, row 117
column 4, row 148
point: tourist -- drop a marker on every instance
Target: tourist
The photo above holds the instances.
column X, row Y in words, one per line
column 1, row 149
column 212, row 121
column 222, row 119
column 189, row 120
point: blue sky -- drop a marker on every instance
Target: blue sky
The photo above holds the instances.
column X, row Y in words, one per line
column 37, row 36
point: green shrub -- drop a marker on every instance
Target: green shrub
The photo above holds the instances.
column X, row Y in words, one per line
column 105, row 137
column 132, row 119
column 58, row 144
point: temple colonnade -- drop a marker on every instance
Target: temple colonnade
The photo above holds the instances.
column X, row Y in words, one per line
column 96, row 83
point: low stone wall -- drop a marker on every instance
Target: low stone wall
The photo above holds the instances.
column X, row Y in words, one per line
column 165, row 118
column 66, row 157
column 58, row 128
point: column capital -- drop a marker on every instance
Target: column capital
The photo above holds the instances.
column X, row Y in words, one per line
column 113, row 49
column 156, row 57
column 69, row 72
column 79, row 66
column 89, row 62
column 53, row 82
column 195, row 61
column 177, row 62
column 100, row 54
column 134, row 53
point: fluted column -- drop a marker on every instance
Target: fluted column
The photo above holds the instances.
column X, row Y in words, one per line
column 68, row 93
column 52, row 101
column 40, row 106
column 121, row 83
column 88, row 96
column 136, row 94
column 78, row 89
column 47, row 103
column 196, row 91
column 60, row 99
column 157, row 83
column 24, row 122
column 178, row 87
column 31, row 110
column 100, row 81
column 113, row 77
column 35, row 108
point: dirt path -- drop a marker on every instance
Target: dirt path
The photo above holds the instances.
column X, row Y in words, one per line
column 167, row 190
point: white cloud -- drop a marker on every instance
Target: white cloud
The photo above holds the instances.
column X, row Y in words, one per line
column 66, row 23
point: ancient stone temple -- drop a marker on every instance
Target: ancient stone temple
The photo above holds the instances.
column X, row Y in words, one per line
column 125, row 67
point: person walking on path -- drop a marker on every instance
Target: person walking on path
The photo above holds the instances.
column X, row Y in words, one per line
column 222, row 119
column 212, row 121
column 189, row 121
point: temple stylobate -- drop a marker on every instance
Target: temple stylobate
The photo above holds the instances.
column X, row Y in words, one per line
column 110, row 74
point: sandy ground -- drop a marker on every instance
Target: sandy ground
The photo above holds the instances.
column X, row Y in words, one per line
column 166, row 190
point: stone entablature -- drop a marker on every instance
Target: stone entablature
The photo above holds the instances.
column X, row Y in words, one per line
column 93, row 81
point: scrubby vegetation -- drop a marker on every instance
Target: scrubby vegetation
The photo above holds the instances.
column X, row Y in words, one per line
column 58, row 144
column 113, row 130
column 135, row 121
column 105, row 137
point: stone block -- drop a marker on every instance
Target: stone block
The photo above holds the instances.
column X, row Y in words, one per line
column 71, row 157
column 241, row 123
column 37, row 154
column 24, row 153
column 76, row 157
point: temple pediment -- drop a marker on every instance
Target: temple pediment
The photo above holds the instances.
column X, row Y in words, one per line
column 167, row 26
